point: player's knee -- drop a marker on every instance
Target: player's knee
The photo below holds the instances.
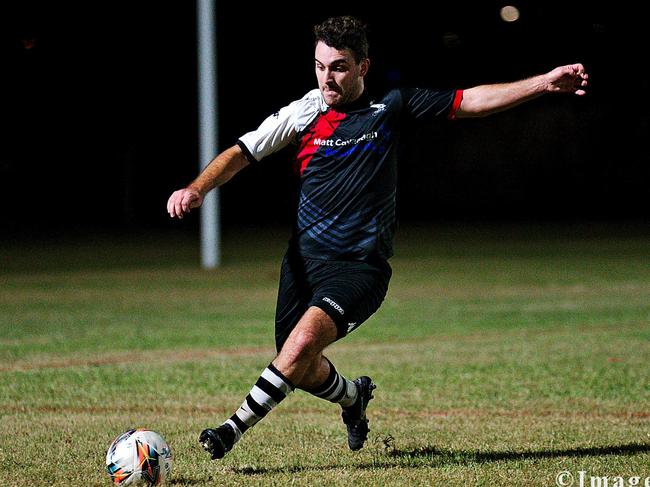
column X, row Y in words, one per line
column 302, row 346
column 311, row 335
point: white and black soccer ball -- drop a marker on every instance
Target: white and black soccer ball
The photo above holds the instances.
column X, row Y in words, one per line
column 139, row 457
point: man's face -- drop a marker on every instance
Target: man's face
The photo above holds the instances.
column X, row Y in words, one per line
column 340, row 78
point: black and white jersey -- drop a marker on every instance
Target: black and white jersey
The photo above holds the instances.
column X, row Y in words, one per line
column 346, row 158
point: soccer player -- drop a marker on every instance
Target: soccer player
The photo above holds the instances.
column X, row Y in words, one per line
column 335, row 272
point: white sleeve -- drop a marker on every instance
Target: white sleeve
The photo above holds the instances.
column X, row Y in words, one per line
column 280, row 128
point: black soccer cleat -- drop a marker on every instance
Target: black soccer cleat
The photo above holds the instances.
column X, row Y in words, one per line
column 354, row 416
column 217, row 442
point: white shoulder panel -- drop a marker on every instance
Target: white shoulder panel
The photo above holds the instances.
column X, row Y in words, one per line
column 280, row 128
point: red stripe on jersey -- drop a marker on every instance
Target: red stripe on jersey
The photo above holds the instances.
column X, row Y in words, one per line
column 458, row 97
column 322, row 130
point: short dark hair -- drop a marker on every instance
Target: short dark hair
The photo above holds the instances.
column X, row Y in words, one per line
column 344, row 32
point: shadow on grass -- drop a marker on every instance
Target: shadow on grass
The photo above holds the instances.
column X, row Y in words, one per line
column 463, row 456
column 436, row 457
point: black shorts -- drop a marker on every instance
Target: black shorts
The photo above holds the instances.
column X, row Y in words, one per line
column 348, row 291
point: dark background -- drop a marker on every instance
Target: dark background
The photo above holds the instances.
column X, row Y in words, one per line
column 98, row 110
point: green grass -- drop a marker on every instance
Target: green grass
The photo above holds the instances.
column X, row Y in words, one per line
column 502, row 355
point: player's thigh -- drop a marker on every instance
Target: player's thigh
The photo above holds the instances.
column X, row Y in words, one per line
column 293, row 298
column 352, row 293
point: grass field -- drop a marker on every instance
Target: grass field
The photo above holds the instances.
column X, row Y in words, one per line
column 503, row 356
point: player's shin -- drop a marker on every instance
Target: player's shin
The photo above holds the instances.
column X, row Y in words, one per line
column 269, row 390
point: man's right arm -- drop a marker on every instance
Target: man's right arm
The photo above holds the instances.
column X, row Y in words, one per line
column 220, row 170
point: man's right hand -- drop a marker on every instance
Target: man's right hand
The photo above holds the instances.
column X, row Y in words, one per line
column 182, row 201
column 221, row 169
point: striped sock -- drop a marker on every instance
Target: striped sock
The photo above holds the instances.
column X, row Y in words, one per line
column 336, row 388
column 271, row 388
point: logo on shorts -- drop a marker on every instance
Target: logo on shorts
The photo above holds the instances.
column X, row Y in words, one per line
column 334, row 305
column 379, row 107
column 351, row 326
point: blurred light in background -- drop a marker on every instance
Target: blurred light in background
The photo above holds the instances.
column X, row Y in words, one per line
column 509, row 13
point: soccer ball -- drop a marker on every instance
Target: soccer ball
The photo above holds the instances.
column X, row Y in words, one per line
column 139, row 457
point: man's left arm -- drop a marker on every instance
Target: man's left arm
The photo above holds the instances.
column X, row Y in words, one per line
column 483, row 100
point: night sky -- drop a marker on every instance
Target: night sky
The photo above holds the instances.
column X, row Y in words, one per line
column 99, row 109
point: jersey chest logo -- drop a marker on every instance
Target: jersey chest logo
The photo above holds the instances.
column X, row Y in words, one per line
column 318, row 135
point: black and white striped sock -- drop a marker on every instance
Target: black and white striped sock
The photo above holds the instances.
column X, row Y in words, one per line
column 271, row 388
column 336, row 388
